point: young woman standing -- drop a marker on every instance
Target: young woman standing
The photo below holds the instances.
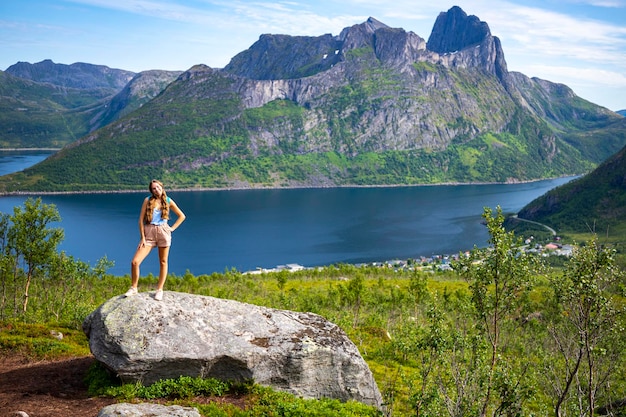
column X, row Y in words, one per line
column 155, row 231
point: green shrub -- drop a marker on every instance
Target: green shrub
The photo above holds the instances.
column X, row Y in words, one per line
column 267, row 402
column 184, row 387
column 99, row 380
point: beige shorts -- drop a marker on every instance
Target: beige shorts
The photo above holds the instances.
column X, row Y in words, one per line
column 160, row 236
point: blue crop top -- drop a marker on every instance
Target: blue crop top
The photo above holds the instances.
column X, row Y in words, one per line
column 157, row 220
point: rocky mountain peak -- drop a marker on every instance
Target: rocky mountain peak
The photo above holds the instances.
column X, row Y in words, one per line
column 367, row 28
column 457, row 41
column 454, row 30
column 464, row 41
column 275, row 57
column 364, row 35
column 375, row 24
column 281, row 57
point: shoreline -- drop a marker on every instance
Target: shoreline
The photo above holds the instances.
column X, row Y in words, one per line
column 29, row 149
column 291, row 187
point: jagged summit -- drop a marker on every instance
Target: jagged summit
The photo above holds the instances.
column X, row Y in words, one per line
column 454, row 30
column 466, row 41
column 375, row 24
column 370, row 26
column 457, row 41
column 276, row 56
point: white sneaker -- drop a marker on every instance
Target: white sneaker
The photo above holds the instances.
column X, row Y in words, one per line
column 158, row 295
column 131, row 291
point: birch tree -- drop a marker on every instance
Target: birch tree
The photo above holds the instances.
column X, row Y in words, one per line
column 585, row 329
column 32, row 241
column 500, row 278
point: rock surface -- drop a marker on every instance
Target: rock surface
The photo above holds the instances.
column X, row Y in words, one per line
column 145, row 410
column 190, row 335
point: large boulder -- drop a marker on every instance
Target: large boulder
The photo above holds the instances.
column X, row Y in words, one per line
column 145, row 340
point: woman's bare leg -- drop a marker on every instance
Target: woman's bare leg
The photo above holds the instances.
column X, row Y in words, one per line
column 163, row 265
column 140, row 255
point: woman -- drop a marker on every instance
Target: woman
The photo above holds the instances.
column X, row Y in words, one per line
column 155, row 231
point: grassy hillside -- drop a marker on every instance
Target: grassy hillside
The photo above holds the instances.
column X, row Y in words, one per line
column 409, row 326
column 593, row 203
column 36, row 115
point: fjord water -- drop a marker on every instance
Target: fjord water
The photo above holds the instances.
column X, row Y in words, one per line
column 246, row 229
column 17, row 160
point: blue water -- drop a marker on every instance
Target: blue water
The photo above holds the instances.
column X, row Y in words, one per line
column 13, row 161
column 264, row 228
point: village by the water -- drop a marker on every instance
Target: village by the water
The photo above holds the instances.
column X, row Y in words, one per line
column 436, row 263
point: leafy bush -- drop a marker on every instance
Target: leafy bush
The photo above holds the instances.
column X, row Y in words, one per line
column 267, row 402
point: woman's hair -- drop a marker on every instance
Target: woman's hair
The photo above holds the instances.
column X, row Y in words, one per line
column 165, row 209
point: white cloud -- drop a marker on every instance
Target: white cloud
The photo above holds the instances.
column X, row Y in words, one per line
column 511, row 19
column 580, row 76
column 615, row 4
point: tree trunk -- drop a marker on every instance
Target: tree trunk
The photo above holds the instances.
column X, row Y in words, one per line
column 568, row 384
column 28, row 279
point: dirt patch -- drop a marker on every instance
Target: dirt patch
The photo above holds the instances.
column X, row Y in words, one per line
column 47, row 388
column 58, row 389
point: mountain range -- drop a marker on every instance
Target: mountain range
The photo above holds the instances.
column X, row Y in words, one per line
column 51, row 105
column 374, row 105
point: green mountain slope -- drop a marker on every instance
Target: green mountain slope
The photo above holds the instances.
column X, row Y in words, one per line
column 596, row 132
column 51, row 105
column 595, row 202
column 375, row 107
column 36, row 115
column 78, row 75
column 142, row 88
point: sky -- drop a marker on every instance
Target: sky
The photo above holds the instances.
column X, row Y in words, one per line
column 579, row 43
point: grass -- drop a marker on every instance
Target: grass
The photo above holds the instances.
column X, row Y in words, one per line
column 386, row 312
column 42, row 341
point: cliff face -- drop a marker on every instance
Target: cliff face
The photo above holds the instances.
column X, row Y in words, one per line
column 372, row 105
column 408, row 87
column 454, row 31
